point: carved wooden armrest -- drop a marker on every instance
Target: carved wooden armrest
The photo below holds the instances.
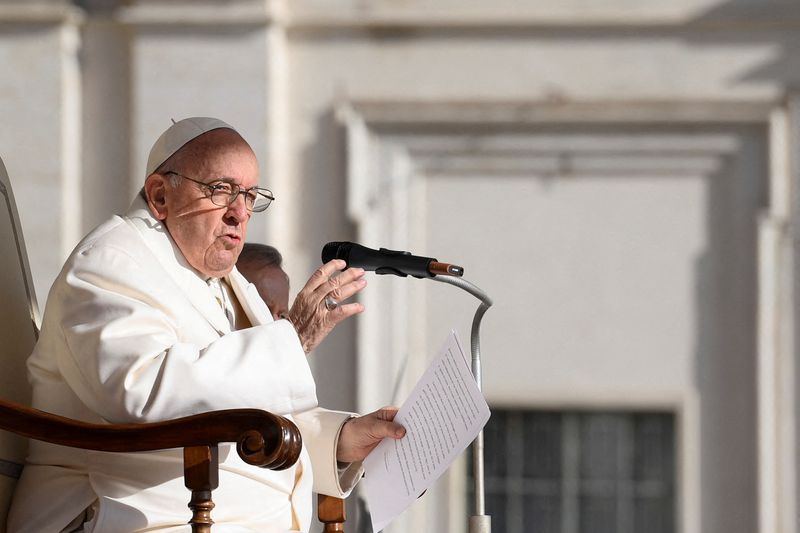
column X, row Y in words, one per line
column 261, row 438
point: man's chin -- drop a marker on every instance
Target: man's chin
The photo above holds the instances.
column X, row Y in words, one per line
column 221, row 263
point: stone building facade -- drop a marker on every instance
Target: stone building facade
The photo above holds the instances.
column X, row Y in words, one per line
column 621, row 177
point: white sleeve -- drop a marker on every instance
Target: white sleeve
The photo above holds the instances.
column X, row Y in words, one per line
column 130, row 358
column 320, row 429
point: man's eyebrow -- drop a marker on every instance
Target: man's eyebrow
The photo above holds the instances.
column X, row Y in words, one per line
column 224, row 179
column 232, row 181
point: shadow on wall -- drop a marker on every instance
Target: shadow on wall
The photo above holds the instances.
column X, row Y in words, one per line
column 727, row 273
column 725, row 357
column 744, row 22
column 321, row 220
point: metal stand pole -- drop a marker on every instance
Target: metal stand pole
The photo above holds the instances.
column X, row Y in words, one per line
column 479, row 522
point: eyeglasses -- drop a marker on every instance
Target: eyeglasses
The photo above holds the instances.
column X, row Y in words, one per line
column 223, row 193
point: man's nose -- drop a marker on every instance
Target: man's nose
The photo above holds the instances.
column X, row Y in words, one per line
column 238, row 208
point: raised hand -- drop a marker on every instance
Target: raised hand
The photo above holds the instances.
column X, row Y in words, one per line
column 318, row 306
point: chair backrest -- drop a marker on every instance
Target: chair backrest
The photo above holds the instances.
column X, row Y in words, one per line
column 19, row 326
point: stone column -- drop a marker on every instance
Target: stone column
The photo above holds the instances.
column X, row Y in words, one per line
column 41, row 135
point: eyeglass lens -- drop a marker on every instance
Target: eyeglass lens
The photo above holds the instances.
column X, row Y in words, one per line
column 224, row 194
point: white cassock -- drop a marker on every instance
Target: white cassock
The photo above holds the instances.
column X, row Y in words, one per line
column 132, row 333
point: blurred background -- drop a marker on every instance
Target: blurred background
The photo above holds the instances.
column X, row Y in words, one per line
column 620, row 176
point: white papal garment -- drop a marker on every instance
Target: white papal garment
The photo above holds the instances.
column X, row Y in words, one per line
column 131, row 333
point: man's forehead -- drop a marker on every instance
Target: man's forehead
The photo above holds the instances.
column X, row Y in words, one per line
column 178, row 135
column 229, row 162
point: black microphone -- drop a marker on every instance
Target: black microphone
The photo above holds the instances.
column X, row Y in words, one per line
column 385, row 261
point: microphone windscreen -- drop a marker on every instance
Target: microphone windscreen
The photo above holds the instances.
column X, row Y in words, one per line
column 336, row 250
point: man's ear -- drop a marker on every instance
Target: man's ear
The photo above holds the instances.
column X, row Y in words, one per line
column 155, row 189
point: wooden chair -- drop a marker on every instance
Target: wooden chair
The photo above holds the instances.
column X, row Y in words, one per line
column 261, row 438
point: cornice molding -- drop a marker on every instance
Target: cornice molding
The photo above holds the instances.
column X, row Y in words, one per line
column 181, row 14
column 386, row 113
column 38, row 13
column 546, row 14
column 464, row 15
column 507, row 137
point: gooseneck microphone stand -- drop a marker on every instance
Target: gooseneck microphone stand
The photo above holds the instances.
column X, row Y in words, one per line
column 400, row 263
column 479, row 522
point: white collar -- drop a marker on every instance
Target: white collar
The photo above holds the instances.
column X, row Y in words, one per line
column 191, row 282
column 157, row 238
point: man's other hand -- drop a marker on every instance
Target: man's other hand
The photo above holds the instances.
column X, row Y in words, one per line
column 361, row 434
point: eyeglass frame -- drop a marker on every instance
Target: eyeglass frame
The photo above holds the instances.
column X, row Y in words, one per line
column 232, row 196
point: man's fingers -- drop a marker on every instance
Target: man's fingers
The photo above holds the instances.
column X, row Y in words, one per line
column 342, row 292
column 332, row 266
column 395, row 430
column 361, row 434
column 388, row 428
column 344, row 284
column 323, row 283
column 387, row 413
column 344, row 311
column 323, row 274
column 319, row 306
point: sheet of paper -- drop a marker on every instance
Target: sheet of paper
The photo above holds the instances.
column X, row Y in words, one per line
column 442, row 416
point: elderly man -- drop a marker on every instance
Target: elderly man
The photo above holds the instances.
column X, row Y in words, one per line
column 262, row 265
column 149, row 320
